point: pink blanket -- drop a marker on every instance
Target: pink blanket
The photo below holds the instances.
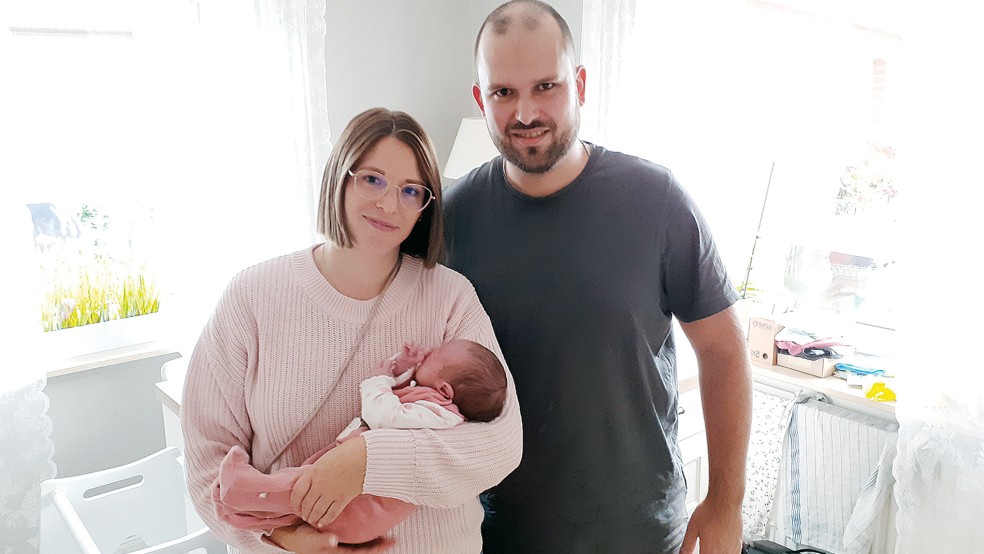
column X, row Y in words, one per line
column 248, row 499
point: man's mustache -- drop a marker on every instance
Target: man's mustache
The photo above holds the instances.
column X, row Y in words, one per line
column 532, row 125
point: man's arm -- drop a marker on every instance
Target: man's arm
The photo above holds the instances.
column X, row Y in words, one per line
column 726, row 399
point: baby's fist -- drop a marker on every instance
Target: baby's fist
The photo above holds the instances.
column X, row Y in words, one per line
column 409, row 358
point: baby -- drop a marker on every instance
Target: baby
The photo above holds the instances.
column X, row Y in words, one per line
column 416, row 388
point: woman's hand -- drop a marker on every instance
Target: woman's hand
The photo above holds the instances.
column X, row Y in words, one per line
column 304, row 539
column 330, row 483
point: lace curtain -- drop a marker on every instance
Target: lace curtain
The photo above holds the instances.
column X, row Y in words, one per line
column 25, row 429
column 939, row 467
column 221, row 131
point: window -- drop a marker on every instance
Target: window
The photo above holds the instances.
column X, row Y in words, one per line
column 159, row 147
column 782, row 111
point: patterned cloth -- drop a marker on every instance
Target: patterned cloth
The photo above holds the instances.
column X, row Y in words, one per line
column 770, row 419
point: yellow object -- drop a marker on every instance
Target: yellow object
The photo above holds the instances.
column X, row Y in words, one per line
column 880, row 392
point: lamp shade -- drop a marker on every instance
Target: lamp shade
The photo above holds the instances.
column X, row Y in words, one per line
column 472, row 147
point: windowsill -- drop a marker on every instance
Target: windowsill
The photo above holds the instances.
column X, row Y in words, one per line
column 105, row 358
column 104, row 344
column 834, row 387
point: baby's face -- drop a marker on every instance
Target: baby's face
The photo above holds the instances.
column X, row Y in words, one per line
column 430, row 373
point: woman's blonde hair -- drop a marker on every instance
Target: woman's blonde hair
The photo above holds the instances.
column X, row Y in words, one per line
column 426, row 240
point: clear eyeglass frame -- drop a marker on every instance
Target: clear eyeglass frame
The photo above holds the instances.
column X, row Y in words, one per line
column 369, row 192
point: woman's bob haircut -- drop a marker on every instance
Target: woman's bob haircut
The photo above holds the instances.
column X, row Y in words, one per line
column 426, row 240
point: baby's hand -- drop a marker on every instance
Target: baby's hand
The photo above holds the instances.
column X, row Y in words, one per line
column 384, row 367
column 407, row 361
column 409, row 357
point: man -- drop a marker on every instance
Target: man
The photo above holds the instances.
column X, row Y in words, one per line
column 581, row 257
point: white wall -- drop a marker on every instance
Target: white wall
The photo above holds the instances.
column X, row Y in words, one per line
column 410, row 56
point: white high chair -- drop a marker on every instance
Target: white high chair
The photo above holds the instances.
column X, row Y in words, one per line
column 138, row 508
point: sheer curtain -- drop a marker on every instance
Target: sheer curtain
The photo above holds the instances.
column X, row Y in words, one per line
column 205, row 122
column 650, row 64
column 25, row 428
column 26, row 448
column 940, row 463
column 254, row 140
column 664, row 82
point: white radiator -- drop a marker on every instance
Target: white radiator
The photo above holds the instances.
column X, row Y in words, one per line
column 836, row 479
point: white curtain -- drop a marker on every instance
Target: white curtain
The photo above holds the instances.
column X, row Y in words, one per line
column 665, row 81
column 940, row 463
column 25, row 446
column 605, row 44
column 210, row 116
column 649, row 64
column 257, row 138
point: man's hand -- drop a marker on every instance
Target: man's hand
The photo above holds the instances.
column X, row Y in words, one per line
column 717, row 525
column 304, row 539
column 330, row 483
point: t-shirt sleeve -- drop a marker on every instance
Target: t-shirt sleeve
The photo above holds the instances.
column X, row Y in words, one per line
column 695, row 281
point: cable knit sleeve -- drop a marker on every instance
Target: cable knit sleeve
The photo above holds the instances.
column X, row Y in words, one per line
column 447, row 467
column 213, row 412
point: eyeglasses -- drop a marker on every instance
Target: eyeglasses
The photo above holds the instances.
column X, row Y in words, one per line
column 371, row 185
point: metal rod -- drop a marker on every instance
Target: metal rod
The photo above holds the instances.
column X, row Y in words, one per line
column 765, row 200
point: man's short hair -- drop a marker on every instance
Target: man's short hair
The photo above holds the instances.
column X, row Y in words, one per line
column 526, row 13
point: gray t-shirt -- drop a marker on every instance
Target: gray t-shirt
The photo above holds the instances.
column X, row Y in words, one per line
column 581, row 286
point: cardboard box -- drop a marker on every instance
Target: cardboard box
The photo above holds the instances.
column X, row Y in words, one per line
column 823, row 367
column 762, row 333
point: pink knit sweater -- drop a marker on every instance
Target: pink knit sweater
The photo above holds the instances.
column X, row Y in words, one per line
column 274, row 347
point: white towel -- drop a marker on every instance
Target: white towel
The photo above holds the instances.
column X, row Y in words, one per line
column 836, row 477
column 872, row 504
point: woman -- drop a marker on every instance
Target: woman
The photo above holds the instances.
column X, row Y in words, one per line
column 278, row 365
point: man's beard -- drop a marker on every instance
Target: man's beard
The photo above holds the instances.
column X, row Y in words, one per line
column 549, row 157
